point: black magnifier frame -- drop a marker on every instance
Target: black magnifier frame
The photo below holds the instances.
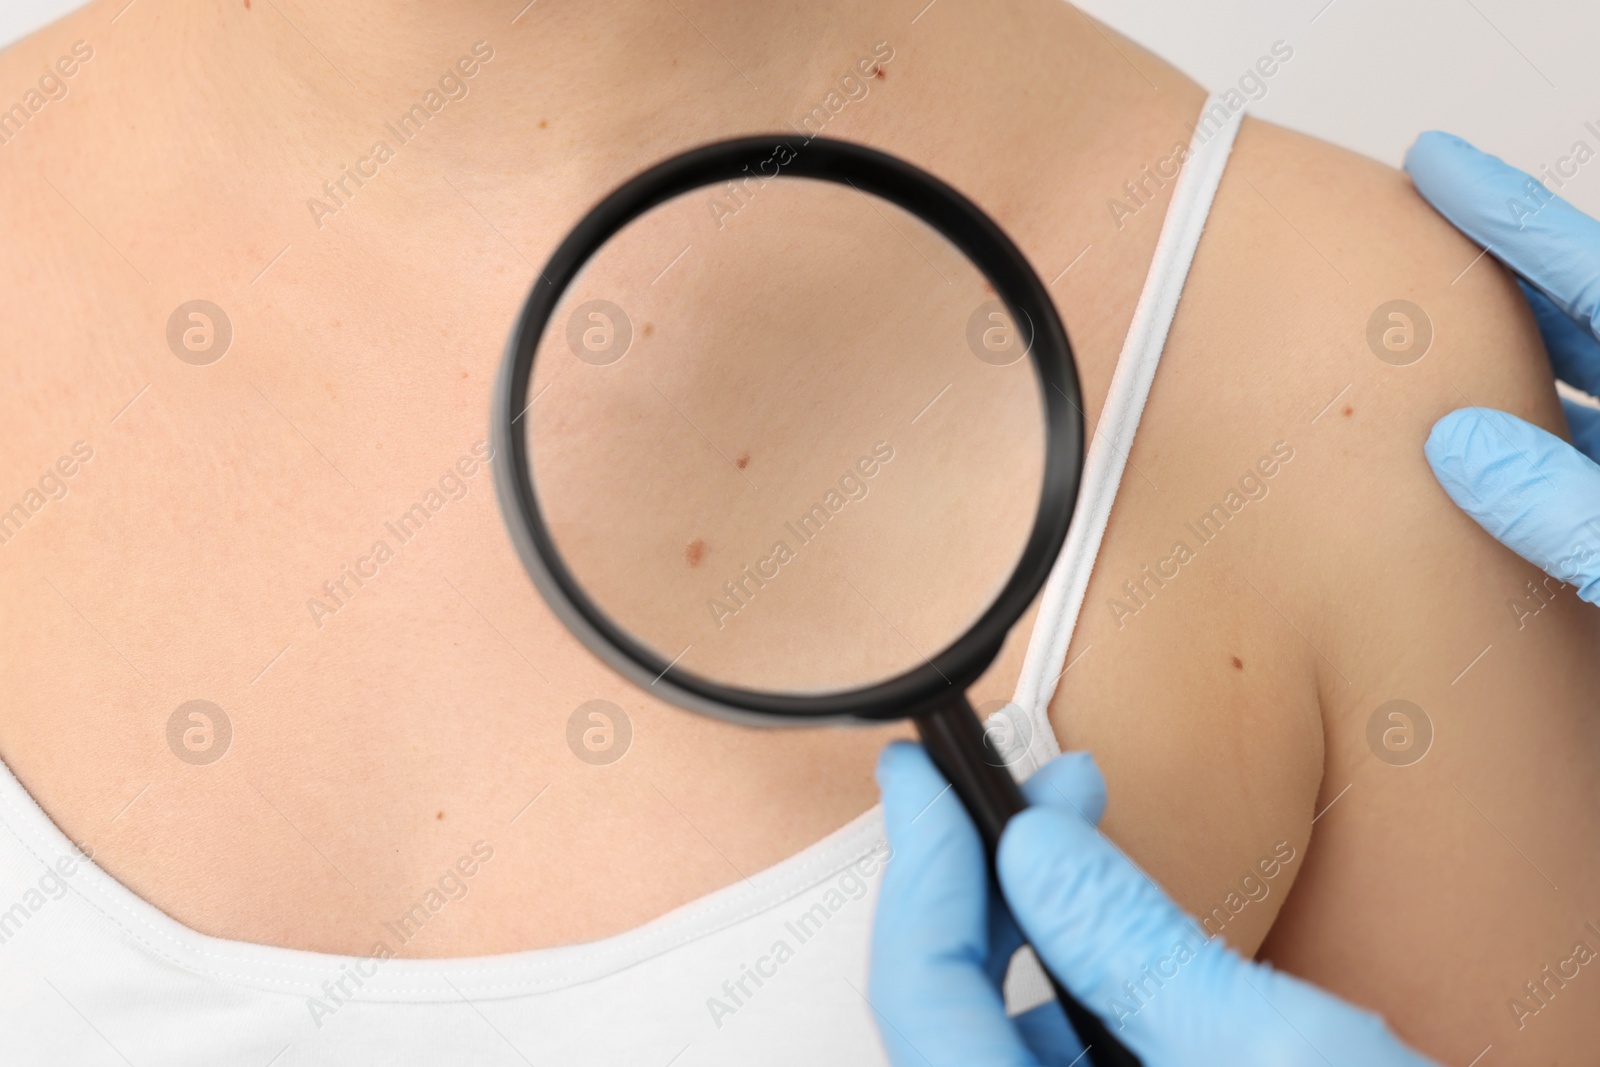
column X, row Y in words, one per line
column 933, row 693
column 1015, row 283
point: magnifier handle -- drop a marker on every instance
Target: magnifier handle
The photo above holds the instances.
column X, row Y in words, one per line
column 953, row 737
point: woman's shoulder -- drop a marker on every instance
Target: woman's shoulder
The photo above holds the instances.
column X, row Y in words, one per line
column 1332, row 308
column 1350, row 316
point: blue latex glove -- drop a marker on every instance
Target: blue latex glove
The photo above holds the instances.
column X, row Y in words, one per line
column 1527, row 488
column 941, row 942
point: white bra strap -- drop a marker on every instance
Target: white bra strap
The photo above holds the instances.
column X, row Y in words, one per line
column 1042, row 667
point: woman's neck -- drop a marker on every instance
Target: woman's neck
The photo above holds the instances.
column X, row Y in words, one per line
column 620, row 70
column 261, row 127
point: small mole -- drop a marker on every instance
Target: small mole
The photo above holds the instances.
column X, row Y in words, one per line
column 694, row 552
column 1348, row 411
column 647, row 329
column 463, row 374
column 543, row 123
column 439, row 816
column 247, row 5
column 743, row 461
column 880, row 75
column 1238, row 664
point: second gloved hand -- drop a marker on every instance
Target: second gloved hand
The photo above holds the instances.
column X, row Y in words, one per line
column 1528, row 488
column 1175, row 997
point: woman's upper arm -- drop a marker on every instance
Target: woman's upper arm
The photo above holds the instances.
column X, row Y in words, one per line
column 1456, row 685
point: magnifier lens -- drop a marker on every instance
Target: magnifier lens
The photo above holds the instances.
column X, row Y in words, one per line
column 785, row 436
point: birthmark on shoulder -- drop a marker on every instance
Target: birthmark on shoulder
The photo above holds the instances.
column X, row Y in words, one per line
column 743, row 461
column 647, row 329
column 880, row 75
column 1348, row 411
column 1238, row 664
column 694, row 552
column 439, row 816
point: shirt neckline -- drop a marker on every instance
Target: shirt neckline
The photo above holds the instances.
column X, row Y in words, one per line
column 528, row 972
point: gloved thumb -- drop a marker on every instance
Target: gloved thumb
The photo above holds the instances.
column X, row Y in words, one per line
column 1096, row 920
column 1529, row 489
column 1072, row 781
column 1165, row 989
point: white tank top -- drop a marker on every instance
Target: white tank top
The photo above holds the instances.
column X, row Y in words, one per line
column 770, row 971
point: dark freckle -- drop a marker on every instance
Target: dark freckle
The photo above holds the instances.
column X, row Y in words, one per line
column 743, row 461
column 543, row 123
column 694, row 552
column 439, row 816
column 880, row 75
column 647, row 329
column 1348, row 412
column 1238, row 664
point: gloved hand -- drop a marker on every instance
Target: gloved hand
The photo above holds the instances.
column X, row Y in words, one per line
column 941, row 942
column 1527, row 488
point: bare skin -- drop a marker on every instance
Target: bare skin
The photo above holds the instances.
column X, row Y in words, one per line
column 371, row 751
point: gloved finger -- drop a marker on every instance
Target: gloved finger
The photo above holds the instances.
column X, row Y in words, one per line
column 1071, row 780
column 930, row 989
column 1171, row 994
column 1005, row 938
column 1095, row 919
column 1291, row 1023
column 1529, row 489
column 1574, row 351
column 1524, row 225
column 1584, row 421
column 1046, row 1031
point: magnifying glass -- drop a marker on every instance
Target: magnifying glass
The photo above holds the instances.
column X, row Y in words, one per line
column 790, row 434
